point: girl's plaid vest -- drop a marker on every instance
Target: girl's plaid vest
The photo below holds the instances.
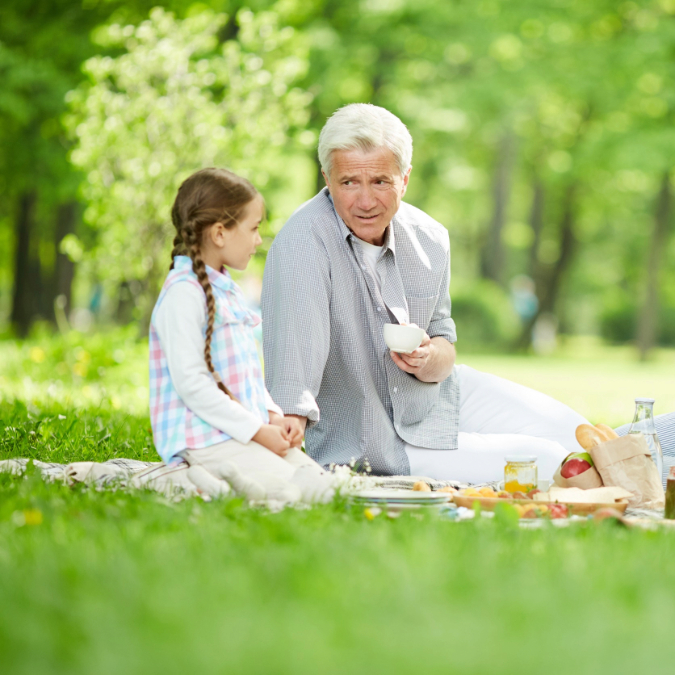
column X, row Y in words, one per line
column 235, row 357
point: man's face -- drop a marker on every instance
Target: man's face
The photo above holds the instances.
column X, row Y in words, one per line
column 367, row 188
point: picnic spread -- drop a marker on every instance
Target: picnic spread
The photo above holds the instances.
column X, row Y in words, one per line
column 613, row 478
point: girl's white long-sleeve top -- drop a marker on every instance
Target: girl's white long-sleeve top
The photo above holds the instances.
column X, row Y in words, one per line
column 180, row 322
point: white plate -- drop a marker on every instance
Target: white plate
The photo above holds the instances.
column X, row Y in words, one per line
column 401, row 496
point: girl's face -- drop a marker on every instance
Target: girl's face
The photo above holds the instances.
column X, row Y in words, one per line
column 235, row 246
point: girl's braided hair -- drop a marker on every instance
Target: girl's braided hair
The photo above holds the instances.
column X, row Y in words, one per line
column 208, row 196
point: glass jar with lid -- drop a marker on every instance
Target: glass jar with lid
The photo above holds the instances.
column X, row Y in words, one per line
column 520, row 473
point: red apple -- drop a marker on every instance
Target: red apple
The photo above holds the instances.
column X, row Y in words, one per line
column 573, row 467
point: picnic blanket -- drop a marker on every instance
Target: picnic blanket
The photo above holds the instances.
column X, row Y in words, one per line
column 171, row 480
column 176, row 480
column 179, row 481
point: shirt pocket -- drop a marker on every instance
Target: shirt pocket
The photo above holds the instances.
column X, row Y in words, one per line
column 420, row 310
column 226, row 314
column 231, row 310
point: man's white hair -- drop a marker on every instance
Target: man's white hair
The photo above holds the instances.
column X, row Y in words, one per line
column 365, row 127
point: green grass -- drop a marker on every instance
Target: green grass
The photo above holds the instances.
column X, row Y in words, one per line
column 117, row 582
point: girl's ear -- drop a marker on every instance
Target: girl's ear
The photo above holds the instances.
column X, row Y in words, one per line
column 217, row 234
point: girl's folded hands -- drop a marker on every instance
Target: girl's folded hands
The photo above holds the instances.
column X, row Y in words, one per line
column 291, row 426
column 273, row 437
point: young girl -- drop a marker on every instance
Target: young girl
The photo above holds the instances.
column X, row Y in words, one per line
column 208, row 401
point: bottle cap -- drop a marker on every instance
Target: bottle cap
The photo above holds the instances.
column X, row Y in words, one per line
column 645, row 400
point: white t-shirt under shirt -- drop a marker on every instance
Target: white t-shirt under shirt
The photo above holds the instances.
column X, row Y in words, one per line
column 371, row 254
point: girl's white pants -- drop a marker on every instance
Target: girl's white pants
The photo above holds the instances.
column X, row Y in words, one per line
column 498, row 418
column 257, row 473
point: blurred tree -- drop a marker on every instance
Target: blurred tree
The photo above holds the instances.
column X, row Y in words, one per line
column 172, row 101
column 42, row 47
column 37, row 67
column 543, row 131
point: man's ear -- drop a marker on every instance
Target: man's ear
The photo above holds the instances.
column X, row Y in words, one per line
column 325, row 177
column 405, row 181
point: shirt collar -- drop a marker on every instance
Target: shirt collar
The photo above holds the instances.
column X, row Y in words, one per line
column 221, row 279
column 389, row 238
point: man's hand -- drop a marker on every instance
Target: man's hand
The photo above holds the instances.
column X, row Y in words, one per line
column 432, row 361
column 273, row 438
column 293, row 429
column 302, row 421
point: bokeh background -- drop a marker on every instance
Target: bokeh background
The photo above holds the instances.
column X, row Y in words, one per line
column 544, row 142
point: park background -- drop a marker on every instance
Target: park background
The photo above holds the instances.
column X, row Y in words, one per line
column 544, row 142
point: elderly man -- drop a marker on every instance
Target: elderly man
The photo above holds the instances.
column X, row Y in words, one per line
column 352, row 259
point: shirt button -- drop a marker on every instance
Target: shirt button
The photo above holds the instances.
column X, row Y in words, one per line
column 396, row 390
column 379, row 309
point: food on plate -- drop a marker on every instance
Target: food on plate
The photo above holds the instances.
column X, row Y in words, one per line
column 575, row 464
column 558, row 511
column 421, row 486
column 449, row 490
column 470, row 492
column 533, row 509
column 555, row 503
column 487, row 492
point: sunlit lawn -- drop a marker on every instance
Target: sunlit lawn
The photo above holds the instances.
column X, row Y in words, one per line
column 95, row 582
column 600, row 382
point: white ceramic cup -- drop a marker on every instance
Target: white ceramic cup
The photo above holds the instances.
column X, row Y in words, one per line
column 402, row 339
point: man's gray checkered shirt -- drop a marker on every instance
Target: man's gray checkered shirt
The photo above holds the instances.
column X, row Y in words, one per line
column 325, row 355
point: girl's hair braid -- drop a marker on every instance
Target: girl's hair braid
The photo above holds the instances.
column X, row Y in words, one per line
column 207, row 197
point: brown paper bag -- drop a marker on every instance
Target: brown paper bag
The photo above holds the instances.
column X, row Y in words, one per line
column 586, row 480
column 626, row 462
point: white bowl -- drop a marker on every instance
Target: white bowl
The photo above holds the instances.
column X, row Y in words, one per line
column 402, row 339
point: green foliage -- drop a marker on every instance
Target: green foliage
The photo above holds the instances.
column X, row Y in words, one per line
column 484, row 316
column 619, row 321
column 580, row 92
column 174, row 100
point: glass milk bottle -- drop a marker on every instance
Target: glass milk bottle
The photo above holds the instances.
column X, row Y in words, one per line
column 643, row 423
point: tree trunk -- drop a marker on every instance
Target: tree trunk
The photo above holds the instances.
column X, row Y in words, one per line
column 64, row 268
column 549, row 282
column 649, row 313
column 23, row 306
column 493, row 256
column 536, row 222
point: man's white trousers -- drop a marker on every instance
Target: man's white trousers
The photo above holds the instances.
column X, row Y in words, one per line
column 498, row 418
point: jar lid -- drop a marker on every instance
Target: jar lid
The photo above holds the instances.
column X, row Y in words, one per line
column 521, row 459
column 645, row 400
